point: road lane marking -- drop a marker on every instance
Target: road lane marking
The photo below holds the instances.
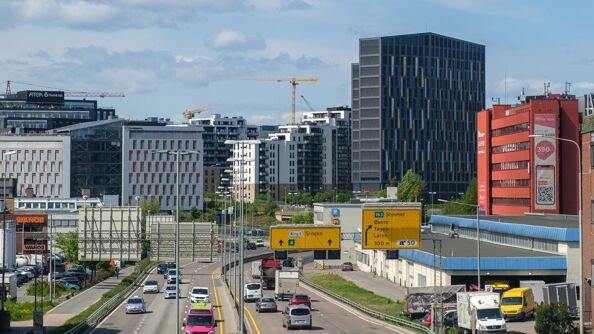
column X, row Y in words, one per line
column 214, row 286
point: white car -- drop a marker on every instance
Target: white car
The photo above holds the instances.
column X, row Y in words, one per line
column 135, row 305
column 172, row 276
column 151, row 286
column 252, row 292
column 259, row 243
column 199, row 294
column 169, row 292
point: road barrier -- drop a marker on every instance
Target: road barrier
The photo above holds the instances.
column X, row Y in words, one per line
column 94, row 318
column 368, row 311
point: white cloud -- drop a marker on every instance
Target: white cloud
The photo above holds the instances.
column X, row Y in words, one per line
column 227, row 39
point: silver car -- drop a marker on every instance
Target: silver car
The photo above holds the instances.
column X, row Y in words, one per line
column 169, row 292
column 151, row 286
column 297, row 316
column 266, row 304
column 135, row 305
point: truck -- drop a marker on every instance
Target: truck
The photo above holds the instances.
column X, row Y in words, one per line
column 10, row 287
column 562, row 293
column 497, row 286
column 256, row 269
column 268, row 267
column 286, row 283
column 418, row 300
column 536, row 287
column 479, row 312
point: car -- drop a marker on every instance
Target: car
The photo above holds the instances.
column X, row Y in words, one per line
column 295, row 316
column 71, row 286
column 169, row 292
column 199, row 294
column 252, row 292
column 171, row 265
column 172, row 276
column 266, row 304
column 450, row 318
column 289, row 262
column 259, row 243
column 162, row 268
column 347, row 266
column 250, row 245
column 426, row 320
column 151, row 286
column 300, row 299
column 135, row 305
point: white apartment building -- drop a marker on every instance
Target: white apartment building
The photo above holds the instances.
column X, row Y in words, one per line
column 150, row 174
column 40, row 163
column 252, row 170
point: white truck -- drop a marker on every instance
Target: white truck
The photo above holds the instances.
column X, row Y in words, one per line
column 286, row 283
column 479, row 312
column 256, row 269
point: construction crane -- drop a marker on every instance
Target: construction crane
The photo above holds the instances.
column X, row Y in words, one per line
column 189, row 114
column 67, row 93
column 293, row 81
column 307, row 103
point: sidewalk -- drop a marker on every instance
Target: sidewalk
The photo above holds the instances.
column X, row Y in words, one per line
column 377, row 284
column 57, row 316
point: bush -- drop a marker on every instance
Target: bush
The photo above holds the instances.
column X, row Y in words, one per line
column 554, row 318
column 24, row 311
column 61, row 289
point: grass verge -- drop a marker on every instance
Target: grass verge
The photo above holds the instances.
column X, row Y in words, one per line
column 24, row 311
column 126, row 281
column 352, row 292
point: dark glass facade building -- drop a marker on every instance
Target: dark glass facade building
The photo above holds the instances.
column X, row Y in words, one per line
column 415, row 99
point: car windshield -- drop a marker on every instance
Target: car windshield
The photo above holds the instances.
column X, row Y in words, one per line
column 172, row 272
column 511, row 301
column 488, row 313
column 300, row 296
column 151, row 283
column 200, row 291
column 254, row 286
column 348, row 264
column 300, row 311
column 134, row 301
column 170, row 287
column 200, row 320
column 266, row 300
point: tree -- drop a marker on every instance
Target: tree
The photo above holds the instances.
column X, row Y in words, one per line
column 469, row 197
column 68, row 244
column 410, row 187
column 302, row 219
column 343, row 197
column 305, row 199
column 554, row 318
column 194, row 213
column 270, row 207
column 382, row 193
column 322, row 197
column 150, row 206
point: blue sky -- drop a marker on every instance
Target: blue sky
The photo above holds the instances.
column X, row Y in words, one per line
column 170, row 55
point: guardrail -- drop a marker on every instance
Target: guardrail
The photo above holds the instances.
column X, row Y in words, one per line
column 94, row 318
column 368, row 311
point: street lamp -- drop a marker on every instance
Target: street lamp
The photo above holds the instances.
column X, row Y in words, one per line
column 581, row 245
column 3, row 314
column 178, row 155
column 241, row 161
column 478, row 237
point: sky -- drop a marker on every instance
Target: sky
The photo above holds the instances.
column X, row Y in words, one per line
column 168, row 56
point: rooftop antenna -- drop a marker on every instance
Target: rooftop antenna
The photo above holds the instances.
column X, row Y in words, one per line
column 522, row 97
column 547, row 86
column 498, row 99
column 8, row 90
column 567, row 87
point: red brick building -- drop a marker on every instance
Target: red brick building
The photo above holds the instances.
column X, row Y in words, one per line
column 517, row 173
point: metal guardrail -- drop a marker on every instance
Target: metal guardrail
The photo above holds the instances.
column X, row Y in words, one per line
column 368, row 311
column 94, row 318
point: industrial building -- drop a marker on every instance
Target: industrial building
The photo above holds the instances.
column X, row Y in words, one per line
column 518, row 173
column 587, row 148
column 415, row 99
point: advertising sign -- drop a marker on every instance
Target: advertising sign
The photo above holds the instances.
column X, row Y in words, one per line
column 30, row 219
column 391, row 227
column 41, row 96
column 545, row 162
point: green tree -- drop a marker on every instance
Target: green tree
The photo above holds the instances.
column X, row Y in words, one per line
column 382, row 193
column 305, row 199
column 289, row 198
column 152, row 206
column 343, row 197
column 194, row 213
column 302, row 219
column 322, row 197
column 554, row 318
column 270, row 207
column 410, row 187
column 68, row 243
column 469, row 197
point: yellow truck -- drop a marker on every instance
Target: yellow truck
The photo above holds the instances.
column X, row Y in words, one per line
column 518, row 303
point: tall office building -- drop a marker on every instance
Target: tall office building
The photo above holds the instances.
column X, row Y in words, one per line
column 414, row 100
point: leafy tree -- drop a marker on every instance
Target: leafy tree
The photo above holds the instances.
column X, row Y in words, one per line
column 194, row 213
column 343, row 197
column 469, row 197
column 270, row 207
column 68, row 243
column 554, row 318
column 305, row 199
column 289, row 198
column 410, row 187
column 382, row 193
column 322, row 197
column 302, row 219
column 152, row 206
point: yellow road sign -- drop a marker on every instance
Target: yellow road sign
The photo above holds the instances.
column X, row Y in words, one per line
column 304, row 238
column 391, row 228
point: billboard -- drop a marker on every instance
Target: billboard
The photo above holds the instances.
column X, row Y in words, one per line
column 109, row 233
column 44, row 97
column 483, row 162
column 395, row 226
column 545, row 162
column 197, row 240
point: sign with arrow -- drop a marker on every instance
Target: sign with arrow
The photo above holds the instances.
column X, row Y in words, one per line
column 388, row 227
column 301, row 237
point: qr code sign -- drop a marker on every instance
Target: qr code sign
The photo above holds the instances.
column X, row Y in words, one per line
column 544, row 195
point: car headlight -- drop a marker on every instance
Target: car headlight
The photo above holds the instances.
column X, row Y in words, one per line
column 503, row 326
column 482, row 327
column 211, row 332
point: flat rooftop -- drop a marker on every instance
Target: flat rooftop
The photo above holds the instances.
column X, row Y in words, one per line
column 562, row 221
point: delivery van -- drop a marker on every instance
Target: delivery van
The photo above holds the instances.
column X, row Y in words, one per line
column 518, row 303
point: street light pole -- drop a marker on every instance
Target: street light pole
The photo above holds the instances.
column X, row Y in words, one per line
column 581, row 244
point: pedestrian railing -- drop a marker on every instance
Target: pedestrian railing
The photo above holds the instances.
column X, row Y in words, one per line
column 94, row 318
column 368, row 311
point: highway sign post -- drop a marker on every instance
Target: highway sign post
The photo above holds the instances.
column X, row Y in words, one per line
column 394, row 226
column 304, row 237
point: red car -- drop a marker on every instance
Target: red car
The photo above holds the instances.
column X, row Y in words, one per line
column 427, row 320
column 300, row 299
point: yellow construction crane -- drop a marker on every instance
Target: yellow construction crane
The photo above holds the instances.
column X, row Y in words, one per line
column 189, row 114
column 293, row 81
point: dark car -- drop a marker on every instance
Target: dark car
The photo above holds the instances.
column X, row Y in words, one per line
column 450, row 318
column 289, row 262
column 300, row 299
column 250, row 245
column 266, row 304
column 347, row 266
column 170, row 265
column 162, row 268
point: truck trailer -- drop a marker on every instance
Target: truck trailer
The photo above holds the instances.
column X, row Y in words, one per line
column 286, row 283
column 268, row 268
column 479, row 312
